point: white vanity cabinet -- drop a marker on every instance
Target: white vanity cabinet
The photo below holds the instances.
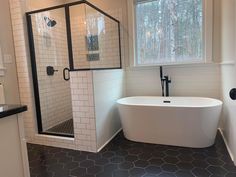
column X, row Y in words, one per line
column 13, row 149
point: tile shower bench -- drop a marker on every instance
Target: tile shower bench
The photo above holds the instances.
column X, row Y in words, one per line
column 13, row 151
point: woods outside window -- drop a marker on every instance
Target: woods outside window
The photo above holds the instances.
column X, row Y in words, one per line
column 171, row 31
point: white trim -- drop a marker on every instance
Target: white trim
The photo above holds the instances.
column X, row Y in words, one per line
column 131, row 32
column 227, row 63
column 24, row 154
column 208, row 29
column 227, row 146
column 180, row 65
column 207, row 35
column 174, row 66
column 54, row 137
column 108, row 141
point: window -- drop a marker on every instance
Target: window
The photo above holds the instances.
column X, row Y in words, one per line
column 169, row 31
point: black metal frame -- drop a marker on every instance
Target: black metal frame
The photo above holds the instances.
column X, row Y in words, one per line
column 70, row 53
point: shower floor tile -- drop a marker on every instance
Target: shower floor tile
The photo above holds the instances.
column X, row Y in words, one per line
column 63, row 128
column 123, row 158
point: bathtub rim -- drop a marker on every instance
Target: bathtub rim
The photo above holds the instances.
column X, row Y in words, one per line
column 166, row 105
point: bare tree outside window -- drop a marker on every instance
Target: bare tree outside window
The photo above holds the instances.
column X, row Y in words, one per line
column 169, row 31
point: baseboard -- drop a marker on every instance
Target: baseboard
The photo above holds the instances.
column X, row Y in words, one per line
column 226, row 143
column 109, row 140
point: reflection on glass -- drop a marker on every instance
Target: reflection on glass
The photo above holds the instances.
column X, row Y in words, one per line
column 95, row 39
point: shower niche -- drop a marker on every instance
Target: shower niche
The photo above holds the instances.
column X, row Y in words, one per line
column 71, row 37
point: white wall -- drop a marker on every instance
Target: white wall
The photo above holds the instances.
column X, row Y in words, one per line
column 186, row 81
column 108, row 87
column 228, row 72
column 9, row 80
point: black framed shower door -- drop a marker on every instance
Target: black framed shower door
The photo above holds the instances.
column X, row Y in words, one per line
column 71, row 67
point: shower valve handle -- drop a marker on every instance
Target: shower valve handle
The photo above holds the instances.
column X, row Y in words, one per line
column 51, row 70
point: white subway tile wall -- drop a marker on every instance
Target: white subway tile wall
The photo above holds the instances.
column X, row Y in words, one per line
column 51, row 50
column 83, row 110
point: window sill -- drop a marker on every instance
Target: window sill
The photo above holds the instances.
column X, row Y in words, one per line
column 231, row 62
column 193, row 64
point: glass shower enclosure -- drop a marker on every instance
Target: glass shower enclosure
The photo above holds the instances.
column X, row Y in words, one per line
column 67, row 38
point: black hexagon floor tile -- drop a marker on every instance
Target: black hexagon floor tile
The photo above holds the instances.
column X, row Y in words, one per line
column 183, row 173
column 154, row 170
column 123, row 158
column 141, row 163
column 126, row 165
column 137, row 172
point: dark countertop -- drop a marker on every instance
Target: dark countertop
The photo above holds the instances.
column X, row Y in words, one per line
column 8, row 110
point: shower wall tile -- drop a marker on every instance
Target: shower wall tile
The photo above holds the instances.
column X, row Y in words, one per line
column 83, row 110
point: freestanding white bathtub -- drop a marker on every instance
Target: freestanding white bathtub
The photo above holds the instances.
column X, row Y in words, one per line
column 178, row 121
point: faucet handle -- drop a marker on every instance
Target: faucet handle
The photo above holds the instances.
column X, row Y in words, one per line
column 168, row 79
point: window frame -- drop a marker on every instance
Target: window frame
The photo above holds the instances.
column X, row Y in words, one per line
column 207, row 36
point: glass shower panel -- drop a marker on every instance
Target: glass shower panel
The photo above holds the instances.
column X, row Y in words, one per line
column 78, row 34
column 51, row 58
column 95, row 39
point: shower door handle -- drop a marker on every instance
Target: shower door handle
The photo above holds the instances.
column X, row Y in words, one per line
column 66, row 74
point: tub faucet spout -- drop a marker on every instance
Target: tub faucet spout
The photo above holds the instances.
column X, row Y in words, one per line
column 165, row 81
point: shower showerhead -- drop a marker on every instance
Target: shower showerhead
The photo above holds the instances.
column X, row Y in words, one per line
column 50, row 22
